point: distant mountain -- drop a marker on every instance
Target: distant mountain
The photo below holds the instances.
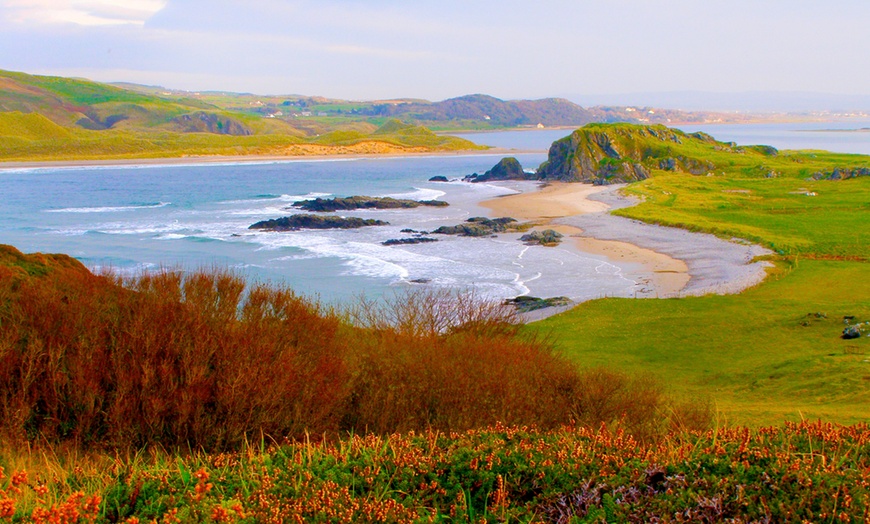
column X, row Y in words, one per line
column 496, row 112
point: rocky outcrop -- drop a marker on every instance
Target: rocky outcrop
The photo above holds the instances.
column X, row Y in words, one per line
column 439, row 178
column 841, row 173
column 202, row 122
column 524, row 304
column 477, row 227
column 547, row 237
column 508, row 168
column 363, row 202
column 408, row 241
column 297, row 222
column 619, row 153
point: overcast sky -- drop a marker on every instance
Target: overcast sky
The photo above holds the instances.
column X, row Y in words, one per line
column 370, row 49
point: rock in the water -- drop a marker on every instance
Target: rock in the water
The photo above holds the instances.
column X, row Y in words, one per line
column 363, row 202
column 477, row 227
column 508, row 168
column 439, row 178
column 296, row 222
column 408, row 241
column 547, row 237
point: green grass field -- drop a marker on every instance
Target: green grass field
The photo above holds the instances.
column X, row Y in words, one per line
column 775, row 212
column 761, row 356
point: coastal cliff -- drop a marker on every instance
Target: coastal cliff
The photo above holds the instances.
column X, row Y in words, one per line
column 608, row 154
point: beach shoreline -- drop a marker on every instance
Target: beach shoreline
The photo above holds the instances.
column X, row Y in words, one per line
column 669, row 262
column 247, row 159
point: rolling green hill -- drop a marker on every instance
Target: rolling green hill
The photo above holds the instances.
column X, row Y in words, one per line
column 55, row 118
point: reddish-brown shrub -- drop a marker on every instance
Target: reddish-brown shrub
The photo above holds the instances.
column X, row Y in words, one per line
column 169, row 358
column 200, row 359
column 453, row 362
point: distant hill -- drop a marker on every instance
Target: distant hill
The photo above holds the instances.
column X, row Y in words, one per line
column 56, row 118
column 95, row 106
column 484, row 108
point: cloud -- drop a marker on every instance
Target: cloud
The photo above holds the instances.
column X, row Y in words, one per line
column 81, row 12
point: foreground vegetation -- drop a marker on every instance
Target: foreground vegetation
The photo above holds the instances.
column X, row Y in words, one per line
column 805, row 472
column 201, row 360
column 198, row 398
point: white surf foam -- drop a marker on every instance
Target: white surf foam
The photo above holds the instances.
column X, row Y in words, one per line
column 107, row 209
column 419, row 194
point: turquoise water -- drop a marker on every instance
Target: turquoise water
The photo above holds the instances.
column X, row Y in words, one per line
column 141, row 218
column 134, row 219
column 829, row 136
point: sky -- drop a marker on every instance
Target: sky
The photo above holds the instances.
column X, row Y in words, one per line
column 380, row 49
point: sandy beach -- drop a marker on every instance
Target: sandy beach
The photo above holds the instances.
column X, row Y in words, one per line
column 293, row 153
column 658, row 273
column 669, row 262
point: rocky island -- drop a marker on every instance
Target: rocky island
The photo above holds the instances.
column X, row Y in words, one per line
column 508, row 168
column 363, row 202
column 302, row 221
column 408, row 241
column 547, row 237
column 479, row 227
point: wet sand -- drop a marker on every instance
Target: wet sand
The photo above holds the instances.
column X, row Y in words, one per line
column 665, row 262
column 293, row 153
column 658, row 274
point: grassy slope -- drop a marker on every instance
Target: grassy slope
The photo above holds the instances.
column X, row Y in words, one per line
column 750, row 351
column 54, row 118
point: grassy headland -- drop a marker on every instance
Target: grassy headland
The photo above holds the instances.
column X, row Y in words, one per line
column 764, row 355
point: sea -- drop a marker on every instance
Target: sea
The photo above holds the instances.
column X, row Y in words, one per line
column 134, row 219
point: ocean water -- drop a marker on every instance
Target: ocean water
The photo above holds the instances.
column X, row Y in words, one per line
column 845, row 136
column 840, row 136
column 141, row 218
column 135, row 219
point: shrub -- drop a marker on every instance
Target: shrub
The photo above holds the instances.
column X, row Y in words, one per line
column 167, row 359
column 202, row 359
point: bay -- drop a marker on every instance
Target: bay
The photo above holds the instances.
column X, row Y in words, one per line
column 132, row 219
column 841, row 136
column 135, row 219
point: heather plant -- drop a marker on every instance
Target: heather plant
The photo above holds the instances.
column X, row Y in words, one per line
column 805, row 472
column 166, row 358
